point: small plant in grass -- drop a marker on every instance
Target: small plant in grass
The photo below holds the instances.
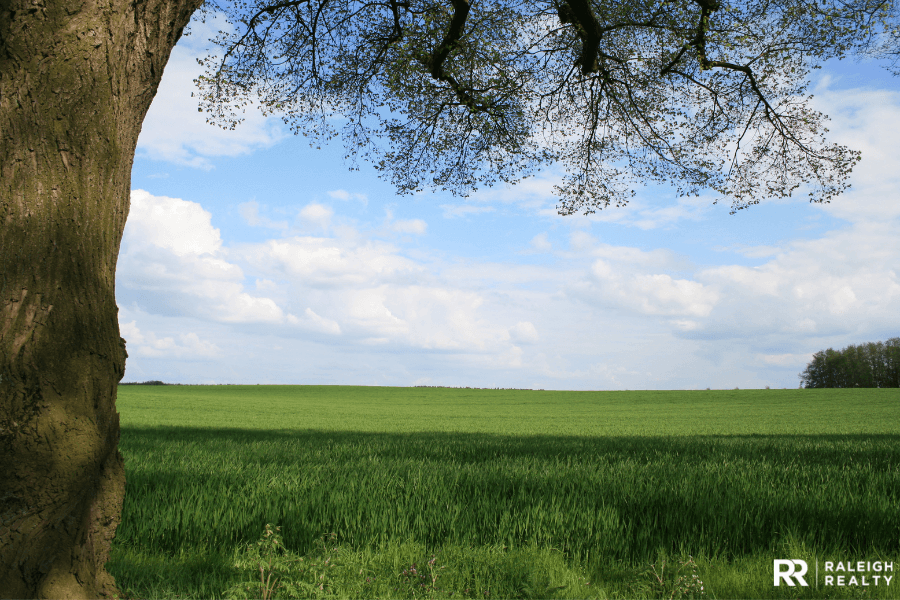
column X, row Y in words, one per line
column 684, row 582
column 279, row 574
column 421, row 584
column 668, row 581
column 321, row 565
column 268, row 555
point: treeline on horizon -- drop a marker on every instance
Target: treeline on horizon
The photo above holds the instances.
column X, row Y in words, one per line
column 871, row 365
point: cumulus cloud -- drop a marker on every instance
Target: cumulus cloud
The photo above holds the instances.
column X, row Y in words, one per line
column 462, row 210
column 172, row 262
column 540, row 243
column 785, row 360
column 314, row 322
column 648, row 293
column 813, row 287
column 524, row 332
column 845, row 281
column 328, row 263
column 533, row 194
column 372, row 293
column 866, row 120
column 184, row 228
column 440, row 318
column 414, row 226
column 345, row 195
column 249, row 211
column 316, row 215
column 579, row 241
column 188, row 346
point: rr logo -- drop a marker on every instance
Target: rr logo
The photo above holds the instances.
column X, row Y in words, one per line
column 791, row 572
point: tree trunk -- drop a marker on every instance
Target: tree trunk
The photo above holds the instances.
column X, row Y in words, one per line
column 76, row 80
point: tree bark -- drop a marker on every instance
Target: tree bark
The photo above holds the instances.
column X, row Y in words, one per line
column 76, row 80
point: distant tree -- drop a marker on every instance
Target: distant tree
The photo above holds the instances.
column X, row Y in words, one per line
column 814, row 374
column 892, row 362
column 869, row 365
column 876, row 357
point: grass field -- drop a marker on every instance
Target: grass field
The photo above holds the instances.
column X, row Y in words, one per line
column 431, row 492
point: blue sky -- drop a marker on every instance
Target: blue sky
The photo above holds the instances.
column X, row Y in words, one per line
column 249, row 257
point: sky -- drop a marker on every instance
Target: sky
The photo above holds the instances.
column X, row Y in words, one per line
column 249, row 257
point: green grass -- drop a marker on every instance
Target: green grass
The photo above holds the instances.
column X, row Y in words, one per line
column 514, row 493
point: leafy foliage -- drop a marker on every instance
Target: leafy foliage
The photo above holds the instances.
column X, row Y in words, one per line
column 871, row 365
column 702, row 94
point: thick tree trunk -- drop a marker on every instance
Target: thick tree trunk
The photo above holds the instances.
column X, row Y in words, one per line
column 76, row 79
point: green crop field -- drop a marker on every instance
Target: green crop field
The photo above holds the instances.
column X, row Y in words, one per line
column 465, row 493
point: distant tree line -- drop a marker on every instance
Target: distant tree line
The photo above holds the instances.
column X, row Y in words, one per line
column 143, row 383
column 871, row 365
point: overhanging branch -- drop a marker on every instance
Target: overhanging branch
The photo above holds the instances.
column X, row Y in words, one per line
column 435, row 61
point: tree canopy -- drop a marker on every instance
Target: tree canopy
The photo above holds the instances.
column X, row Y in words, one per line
column 706, row 95
column 871, row 365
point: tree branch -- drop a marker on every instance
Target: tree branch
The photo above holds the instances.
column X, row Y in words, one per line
column 435, row 61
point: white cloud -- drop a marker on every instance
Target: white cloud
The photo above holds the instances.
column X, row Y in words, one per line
column 579, row 241
column 869, row 121
column 786, row 360
column 533, row 194
column 329, row 263
column 684, row 324
column 345, row 195
column 688, row 208
column 648, row 293
column 316, row 215
column 181, row 227
column 314, row 322
column 172, row 262
column 845, row 281
column 414, row 226
column 750, row 251
column 234, row 306
column 249, row 211
column 443, row 318
column 524, row 332
column 660, row 294
column 372, row 293
column 189, row 346
column 540, row 243
column 461, row 210
column 635, row 259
